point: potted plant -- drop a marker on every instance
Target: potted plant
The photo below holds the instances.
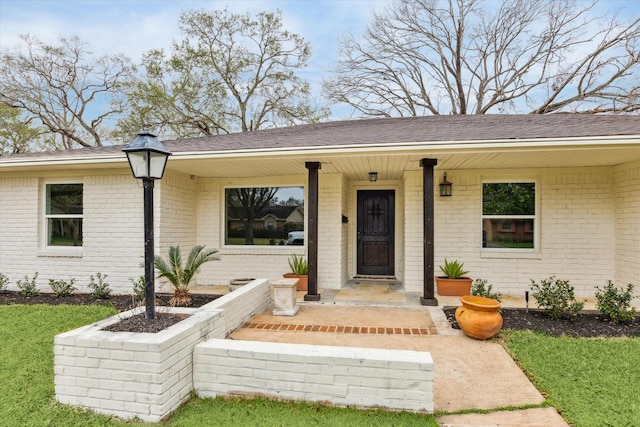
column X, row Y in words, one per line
column 454, row 282
column 299, row 270
column 238, row 283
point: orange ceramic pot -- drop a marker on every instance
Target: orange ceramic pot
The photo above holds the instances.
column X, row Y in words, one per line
column 303, row 280
column 453, row 287
column 479, row 317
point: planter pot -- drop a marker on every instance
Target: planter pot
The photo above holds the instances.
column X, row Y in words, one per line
column 478, row 317
column 303, row 280
column 238, row 283
column 454, row 287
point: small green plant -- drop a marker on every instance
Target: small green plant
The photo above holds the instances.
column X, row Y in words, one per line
column 62, row 288
column 138, row 288
column 180, row 276
column 557, row 297
column 615, row 303
column 101, row 289
column 28, row 287
column 482, row 289
column 453, row 269
column 298, row 265
column 4, row 282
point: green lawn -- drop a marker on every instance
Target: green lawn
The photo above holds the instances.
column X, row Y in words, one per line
column 592, row 382
column 27, row 392
column 519, row 245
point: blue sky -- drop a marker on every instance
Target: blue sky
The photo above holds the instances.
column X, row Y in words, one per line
column 133, row 27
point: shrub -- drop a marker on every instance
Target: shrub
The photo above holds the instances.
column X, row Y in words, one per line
column 557, row 297
column 4, row 282
column 62, row 288
column 481, row 289
column 615, row 303
column 101, row 289
column 453, row 269
column 138, row 288
column 28, row 287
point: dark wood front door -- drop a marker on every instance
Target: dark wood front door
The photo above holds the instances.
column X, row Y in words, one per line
column 376, row 232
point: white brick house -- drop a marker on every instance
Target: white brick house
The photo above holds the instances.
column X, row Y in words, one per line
column 580, row 174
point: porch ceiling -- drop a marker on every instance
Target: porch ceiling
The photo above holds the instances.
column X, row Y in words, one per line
column 391, row 165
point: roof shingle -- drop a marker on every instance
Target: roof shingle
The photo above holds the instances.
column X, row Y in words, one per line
column 398, row 130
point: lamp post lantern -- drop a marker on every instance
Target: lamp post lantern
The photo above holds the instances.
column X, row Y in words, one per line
column 445, row 187
column 147, row 158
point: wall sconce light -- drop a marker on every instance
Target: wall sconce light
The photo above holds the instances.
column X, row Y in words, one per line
column 445, row 187
column 373, row 176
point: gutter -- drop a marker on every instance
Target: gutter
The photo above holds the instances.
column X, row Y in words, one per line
column 440, row 146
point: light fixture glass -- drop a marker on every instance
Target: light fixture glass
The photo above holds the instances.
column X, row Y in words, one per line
column 373, row 176
column 147, row 156
column 445, row 187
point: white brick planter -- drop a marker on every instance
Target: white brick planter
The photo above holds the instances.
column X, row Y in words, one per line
column 364, row 377
column 149, row 375
column 145, row 375
column 130, row 374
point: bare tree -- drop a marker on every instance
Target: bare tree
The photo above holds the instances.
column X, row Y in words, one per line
column 231, row 73
column 423, row 57
column 63, row 89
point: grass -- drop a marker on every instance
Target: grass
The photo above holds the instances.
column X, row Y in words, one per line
column 592, row 382
column 27, row 392
column 519, row 245
column 266, row 413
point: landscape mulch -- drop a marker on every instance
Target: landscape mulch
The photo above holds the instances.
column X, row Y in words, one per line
column 136, row 323
column 583, row 325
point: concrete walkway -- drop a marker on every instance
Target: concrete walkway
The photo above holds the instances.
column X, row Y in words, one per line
column 469, row 374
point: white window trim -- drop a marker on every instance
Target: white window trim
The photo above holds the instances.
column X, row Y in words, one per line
column 52, row 250
column 535, row 252
column 258, row 249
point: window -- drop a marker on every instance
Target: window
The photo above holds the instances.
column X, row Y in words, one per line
column 508, row 215
column 263, row 215
column 63, row 214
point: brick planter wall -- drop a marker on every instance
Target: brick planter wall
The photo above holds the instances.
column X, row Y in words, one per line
column 364, row 377
column 149, row 375
column 130, row 374
column 142, row 374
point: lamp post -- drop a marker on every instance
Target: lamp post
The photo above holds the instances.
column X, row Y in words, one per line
column 147, row 158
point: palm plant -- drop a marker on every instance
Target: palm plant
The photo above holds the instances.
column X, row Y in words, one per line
column 180, row 276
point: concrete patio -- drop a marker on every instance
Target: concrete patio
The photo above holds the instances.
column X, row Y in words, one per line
column 469, row 374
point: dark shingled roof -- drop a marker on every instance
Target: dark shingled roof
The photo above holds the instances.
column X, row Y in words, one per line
column 418, row 129
column 400, row 130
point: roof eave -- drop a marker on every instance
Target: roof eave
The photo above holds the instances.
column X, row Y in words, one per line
column 116, row 159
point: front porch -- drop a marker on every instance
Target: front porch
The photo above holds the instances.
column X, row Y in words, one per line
column 382, row 315
column 369, row 292
column 370, row 367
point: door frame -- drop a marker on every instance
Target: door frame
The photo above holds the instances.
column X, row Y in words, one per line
column 397, row 224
